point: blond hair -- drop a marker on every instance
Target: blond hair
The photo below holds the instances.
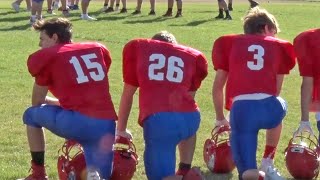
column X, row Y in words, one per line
column 165, row 36
column 256, row 20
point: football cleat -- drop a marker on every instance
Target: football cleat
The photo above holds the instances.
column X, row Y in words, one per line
column 228, row 17
column 272, row 174
column 15, row 6
column 37, row 173
column 104, row 9
column 125, row 159
column 167, row 14
column 179, row 14
column 123, row 10
column 152, row 13
column 109, row 10
column 265, row 163
column 301, row 156
column 217, row 151
column 87, row 17
column 220, row 16
column 71, row 162
column 136, row 12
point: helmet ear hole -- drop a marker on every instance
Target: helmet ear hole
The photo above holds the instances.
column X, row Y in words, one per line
column 302, row 157
column 217, row 151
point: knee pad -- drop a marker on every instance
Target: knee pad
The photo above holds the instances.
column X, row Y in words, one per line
column 28, row 118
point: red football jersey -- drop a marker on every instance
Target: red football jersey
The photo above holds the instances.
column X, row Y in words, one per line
column 76, row 74
column 164, row 73
column 252, row 63
column 307, row 48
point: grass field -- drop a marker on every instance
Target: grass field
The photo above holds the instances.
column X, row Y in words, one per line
column 196, row 28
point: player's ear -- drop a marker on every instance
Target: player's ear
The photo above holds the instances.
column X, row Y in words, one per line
column 55, row 38
column 268, row 31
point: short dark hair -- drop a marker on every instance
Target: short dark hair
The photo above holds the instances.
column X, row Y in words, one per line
column 60, row 26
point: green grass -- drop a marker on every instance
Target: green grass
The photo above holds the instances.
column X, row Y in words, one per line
column 196, row 28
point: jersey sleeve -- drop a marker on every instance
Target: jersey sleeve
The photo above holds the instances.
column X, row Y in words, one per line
column 39, row 66
column 220, row 54
column 304, row 56
column 288, row 58
column 129, row 64
column 201, row 72
column 106, row 56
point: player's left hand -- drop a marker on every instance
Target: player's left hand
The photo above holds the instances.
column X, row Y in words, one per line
column 126, row 134
column 304, row 126
column 223, row 122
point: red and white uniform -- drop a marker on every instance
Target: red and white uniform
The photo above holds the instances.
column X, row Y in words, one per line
column 76, row 74
column 307, row 48
column 165, row 74
column 252, row 63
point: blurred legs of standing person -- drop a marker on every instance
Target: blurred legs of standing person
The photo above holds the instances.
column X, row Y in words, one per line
column 84, row 8
column 16, row 5
column 223, row 7
column 230, row 7
column 74, row 5
column 152, row 7
column 105, row 6
column 36, row 11
column 111, row 9
column 50, row 7
column 56, row 4
column 170, row 7
column 64, row 8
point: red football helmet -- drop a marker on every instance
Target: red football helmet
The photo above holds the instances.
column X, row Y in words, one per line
column 217, row 151
column 71, row 161
column 302, row 158
column 125, row 159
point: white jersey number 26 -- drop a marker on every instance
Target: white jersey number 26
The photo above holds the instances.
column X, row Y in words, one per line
column 174, row 68
column 257, row 63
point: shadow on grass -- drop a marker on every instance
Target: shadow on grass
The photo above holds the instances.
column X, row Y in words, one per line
column 157, row 19
column 16, row 28
column 14, row 19
column 7, row 13
column 195, row 23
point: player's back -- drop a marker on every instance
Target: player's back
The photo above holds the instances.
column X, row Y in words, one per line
column 166, row 73
column 307, row 48
column 253, row 62
column 76, row 74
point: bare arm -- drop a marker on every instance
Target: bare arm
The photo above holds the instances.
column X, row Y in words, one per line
column 125, row 106
column 306, row 95
column 279, row 83
column 39, row 96
column 217, row 93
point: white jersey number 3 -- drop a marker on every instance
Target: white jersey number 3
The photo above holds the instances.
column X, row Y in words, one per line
column 174, row 68
column 257, row 63
column 96, row 73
